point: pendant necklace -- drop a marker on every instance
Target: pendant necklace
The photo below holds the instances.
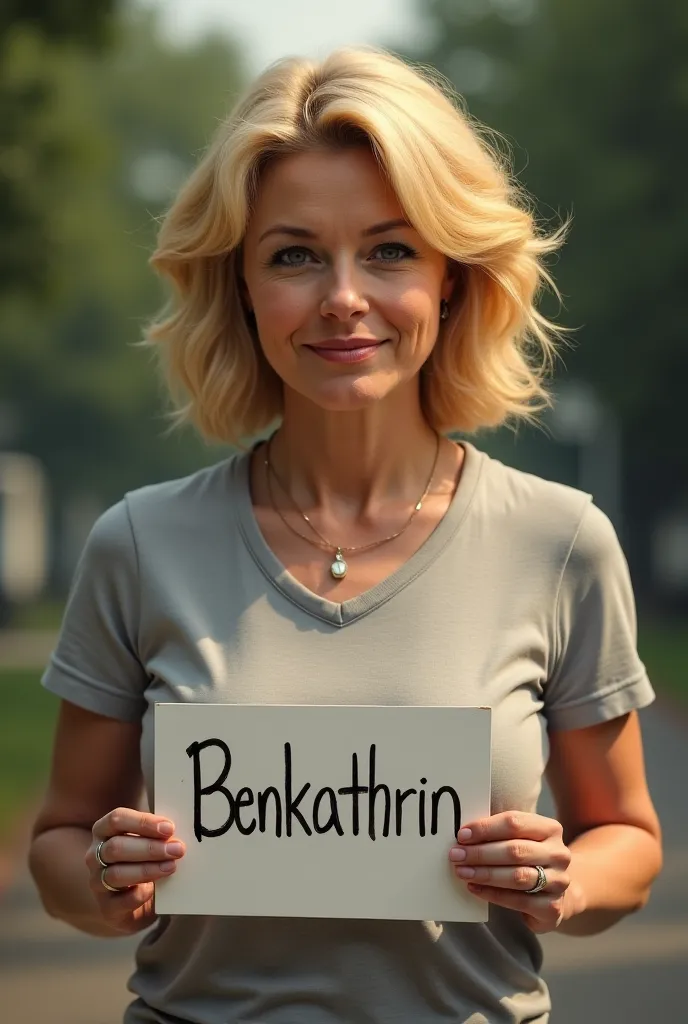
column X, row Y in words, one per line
column 340, row 567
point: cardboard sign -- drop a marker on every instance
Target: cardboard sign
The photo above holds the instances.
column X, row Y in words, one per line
column 300, row 811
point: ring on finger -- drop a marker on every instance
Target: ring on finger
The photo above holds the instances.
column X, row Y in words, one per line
column 106, row 884
column 99, row 856
column 541, row 881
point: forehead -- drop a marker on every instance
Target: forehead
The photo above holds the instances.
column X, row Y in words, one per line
column 319, row 183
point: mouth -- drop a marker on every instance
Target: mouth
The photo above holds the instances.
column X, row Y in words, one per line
column 346, row 350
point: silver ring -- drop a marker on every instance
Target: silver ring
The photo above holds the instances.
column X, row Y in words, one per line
column 99, row 847
column 541, row 881
column 106, row 885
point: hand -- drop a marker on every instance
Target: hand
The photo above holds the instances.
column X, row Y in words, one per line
column 497, row 857
column 138, row 849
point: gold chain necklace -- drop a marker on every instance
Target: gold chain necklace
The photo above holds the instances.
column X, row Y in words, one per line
column 339, row 567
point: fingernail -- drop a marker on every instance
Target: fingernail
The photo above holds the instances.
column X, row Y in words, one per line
column 474, row 888
column 464, row 835
column 465, row 872
column 457, row 854
column 166, row 828
column 167, row 865
column 174, row 849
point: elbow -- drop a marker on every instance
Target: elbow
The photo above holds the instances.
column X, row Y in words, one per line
column 657, row 860
column 39, row 862
column 655, row 863
column 33, row 861
column 641, row 900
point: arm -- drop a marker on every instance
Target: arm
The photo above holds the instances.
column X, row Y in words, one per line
column 601, row 855
column 597, row 777
column 96, row 767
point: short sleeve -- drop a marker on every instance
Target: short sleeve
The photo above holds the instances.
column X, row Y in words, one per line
column 95, row 663
column 597, row 673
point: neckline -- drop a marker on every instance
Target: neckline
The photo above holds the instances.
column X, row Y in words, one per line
column 345, row 612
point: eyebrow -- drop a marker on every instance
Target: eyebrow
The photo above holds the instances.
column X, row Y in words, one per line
column 376, row 229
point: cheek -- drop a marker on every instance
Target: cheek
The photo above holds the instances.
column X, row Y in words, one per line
column 280, row 310
column 414, row 313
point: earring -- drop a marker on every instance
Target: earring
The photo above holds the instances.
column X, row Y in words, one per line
column 444, row 309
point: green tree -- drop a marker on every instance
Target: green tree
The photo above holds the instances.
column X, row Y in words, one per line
column 84, row 400
column 85, row 21
column 591, row 98
column 30, row 153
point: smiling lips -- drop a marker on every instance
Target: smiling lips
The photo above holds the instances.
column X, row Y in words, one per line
column 346, row 350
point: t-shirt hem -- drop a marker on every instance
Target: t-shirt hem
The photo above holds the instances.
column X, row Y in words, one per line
column 616, row 700
column 89, row 695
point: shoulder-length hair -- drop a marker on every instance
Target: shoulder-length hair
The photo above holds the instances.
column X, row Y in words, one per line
column 492, row 354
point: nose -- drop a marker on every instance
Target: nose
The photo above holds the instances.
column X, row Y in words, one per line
column 344, row 298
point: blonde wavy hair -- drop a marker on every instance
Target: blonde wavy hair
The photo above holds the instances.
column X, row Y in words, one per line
column 494, row 351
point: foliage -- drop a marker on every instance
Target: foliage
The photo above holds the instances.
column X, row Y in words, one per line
column 663, row 647
column 591, row 99
column 85, row 21
column 125, row 125
column 32, row 152
column 26, row 729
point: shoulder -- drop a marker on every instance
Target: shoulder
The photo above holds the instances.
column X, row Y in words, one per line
column 531, row 508
column 183, row 491
column 550, row 522
column 164, row 510
column 191, row 501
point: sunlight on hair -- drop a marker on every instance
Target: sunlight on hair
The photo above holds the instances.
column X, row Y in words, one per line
column 493, row 354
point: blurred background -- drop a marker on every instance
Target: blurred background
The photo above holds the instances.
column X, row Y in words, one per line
column 104, row 108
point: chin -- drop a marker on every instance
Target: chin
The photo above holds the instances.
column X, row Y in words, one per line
column 349, row 396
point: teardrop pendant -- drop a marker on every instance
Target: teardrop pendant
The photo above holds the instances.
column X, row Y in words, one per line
column 339, row 567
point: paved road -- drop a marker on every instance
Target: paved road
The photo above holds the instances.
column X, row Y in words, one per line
column 633, row 974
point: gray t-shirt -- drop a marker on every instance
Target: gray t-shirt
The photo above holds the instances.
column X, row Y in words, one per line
column 520, row 600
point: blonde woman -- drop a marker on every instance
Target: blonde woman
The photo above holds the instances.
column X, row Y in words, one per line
column 352, row 264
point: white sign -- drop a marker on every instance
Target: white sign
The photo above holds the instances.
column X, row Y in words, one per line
column 300, row 811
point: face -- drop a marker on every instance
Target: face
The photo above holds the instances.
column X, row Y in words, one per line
column 346, row 294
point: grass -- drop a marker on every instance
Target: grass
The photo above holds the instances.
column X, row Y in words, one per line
column 28, row 715
column 26, row 729
column 663, row 646
column 45, row 614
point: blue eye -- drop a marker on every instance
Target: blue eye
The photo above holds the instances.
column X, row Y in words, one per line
column 278, row 258
column 397, row 250
column 297, row 256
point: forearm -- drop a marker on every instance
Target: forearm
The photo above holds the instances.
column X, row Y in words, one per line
column 612, row 869
column 56, row 861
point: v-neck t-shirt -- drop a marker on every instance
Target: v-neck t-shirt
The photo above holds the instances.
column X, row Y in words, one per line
column 519, row 600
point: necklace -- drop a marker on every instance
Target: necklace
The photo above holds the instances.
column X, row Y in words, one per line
column 339, row 567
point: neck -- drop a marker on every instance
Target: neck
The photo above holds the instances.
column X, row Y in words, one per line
column 353, row 459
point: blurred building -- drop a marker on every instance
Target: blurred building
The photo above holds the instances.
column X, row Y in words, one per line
column 23, row 531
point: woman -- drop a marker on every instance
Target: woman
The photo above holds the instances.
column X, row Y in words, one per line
column 351, row 261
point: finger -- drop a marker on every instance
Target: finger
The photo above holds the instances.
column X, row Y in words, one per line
column 515, row 853
column 134, row 849
column 508, row 825
column 121, row 876
column 543, row 912
column 127, row 901
column 518, row 879
column 126, row 819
